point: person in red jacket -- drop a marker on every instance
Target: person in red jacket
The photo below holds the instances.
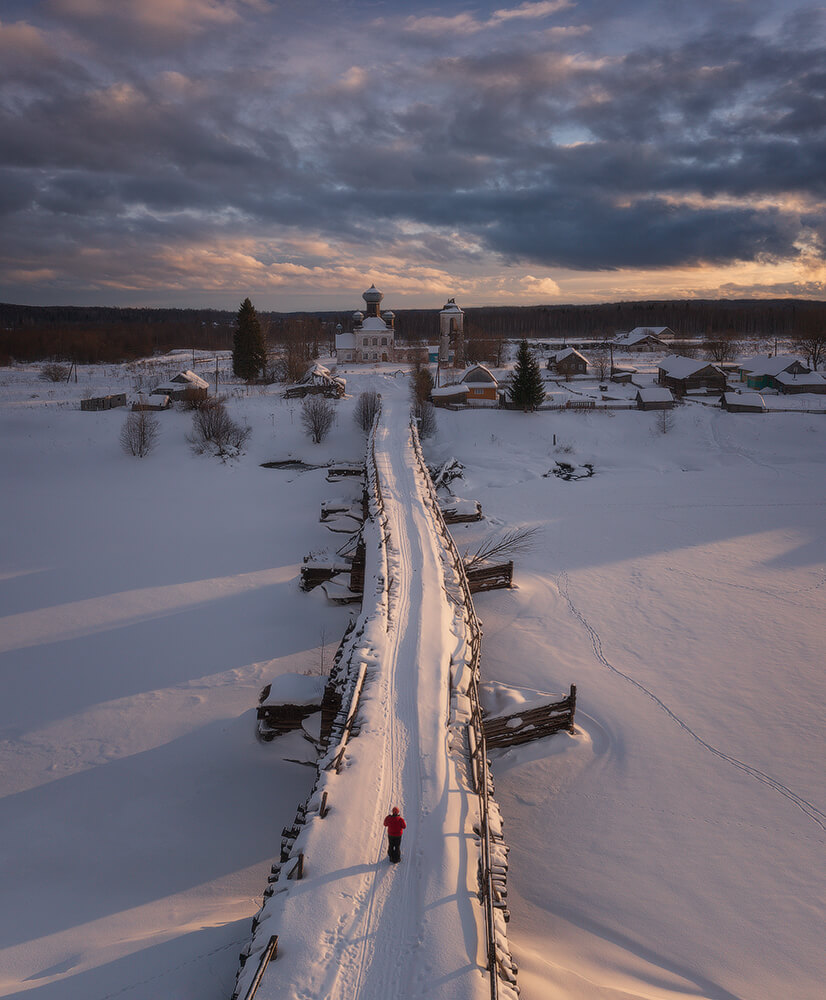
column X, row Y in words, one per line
column 395, row 828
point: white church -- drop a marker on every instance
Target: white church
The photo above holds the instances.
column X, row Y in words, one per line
column 373, row 337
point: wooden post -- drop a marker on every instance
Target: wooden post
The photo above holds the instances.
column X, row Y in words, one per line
column 573, row 708
column 298, row 869
column 267, row 956
column 322, row 809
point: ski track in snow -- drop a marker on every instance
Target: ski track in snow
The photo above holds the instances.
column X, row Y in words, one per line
column 804, row 805
column 372, row 951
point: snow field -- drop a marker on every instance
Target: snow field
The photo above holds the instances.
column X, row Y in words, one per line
column 681, row 588
column 143, row 604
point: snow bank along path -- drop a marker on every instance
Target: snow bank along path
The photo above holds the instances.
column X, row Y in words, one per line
column 355, row 926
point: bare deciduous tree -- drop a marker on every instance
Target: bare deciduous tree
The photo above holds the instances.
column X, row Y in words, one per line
column 139, row 433
column 425, row 414
column 214, row 430
column 810, row 341
column 600, row 360
column 317, row 416
column 367, row 406
column 721, row 349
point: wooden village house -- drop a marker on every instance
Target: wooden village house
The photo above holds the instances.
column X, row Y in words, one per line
column 638, row 341
column 683, row 375
column 783, row 373
column 482, row 386
column 568, row 362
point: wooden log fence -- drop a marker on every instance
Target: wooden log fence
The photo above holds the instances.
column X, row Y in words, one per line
column 341, row 699
column 501, row 966
column 481, row 578
column 533, row 724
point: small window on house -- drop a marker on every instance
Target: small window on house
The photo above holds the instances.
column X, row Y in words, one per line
column 384, row 341
column 375, row 341
column 366, row 341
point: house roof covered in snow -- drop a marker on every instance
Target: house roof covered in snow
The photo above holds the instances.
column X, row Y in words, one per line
column 636, row 337
column 744, row 399
column 445, row 391
column 770, row 366
column 655, row 394
column 479, row 375
column 566, row 353
column 190, row 378
column 804, row 378
column 345, row 341
column 657, row 331
column 676, row 366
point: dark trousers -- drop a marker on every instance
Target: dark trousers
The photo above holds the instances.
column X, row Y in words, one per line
column 394, row 848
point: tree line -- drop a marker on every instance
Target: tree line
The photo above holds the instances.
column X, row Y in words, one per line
column 107, row 334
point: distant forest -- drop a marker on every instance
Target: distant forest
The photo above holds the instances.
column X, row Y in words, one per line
column 94, row 334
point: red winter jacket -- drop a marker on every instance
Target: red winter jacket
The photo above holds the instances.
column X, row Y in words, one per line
column 395, row 825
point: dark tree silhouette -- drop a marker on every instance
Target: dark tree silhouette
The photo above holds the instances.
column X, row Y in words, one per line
column 249, row 349
column 526, row 388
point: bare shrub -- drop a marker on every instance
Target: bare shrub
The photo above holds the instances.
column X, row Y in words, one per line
column 139, row 433
column 367, row 406
column 317, row 416
column 214, row 430
column 54, row 372
column 664, row 421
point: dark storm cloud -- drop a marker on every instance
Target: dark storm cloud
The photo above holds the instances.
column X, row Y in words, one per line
column 573, row 135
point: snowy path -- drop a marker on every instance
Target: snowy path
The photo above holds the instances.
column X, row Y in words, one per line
column 357, row 926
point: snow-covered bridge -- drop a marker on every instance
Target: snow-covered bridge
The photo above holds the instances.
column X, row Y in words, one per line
column 355, row 926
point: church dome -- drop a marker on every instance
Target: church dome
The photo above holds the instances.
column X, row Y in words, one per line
column 388, row 315
column 358, row 316
column 372, row 295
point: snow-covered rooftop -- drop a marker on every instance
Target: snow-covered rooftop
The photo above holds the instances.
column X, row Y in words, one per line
column 744, row 399
column 479, row 375
column 655, row 394
column 805, row 378
column 680, row 367
column 769, row 366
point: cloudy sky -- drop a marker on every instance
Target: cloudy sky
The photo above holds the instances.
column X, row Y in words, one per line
column 194, row 152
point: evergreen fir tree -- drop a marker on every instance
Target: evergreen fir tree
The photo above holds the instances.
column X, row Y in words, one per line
column 526, row 388
column 249, row 350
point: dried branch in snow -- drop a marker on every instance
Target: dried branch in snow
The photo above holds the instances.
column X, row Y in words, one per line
column 516, row 540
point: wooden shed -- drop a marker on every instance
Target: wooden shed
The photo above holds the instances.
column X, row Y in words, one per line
column 185, row 385
column 449, row 395
column 155, row 401
column 110, row 402
column 654, row 398
column 743, row 402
